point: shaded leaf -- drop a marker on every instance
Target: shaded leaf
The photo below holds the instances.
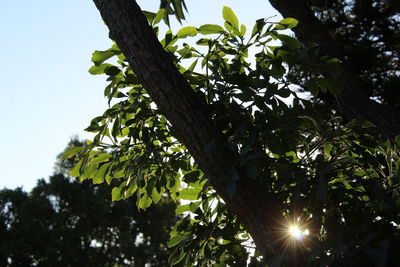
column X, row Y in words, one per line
column 289, row 41
column 175, row 240
column 258, row 27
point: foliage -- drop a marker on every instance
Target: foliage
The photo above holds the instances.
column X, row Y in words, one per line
column 167, row 8
column 68, row 223
column 368, row 34
column 339, row 181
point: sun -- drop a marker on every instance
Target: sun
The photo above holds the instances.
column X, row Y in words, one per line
column 295, row 232
column 298, row 234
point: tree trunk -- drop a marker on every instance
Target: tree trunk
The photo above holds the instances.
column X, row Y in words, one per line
column 255, row 207
column 353, row 101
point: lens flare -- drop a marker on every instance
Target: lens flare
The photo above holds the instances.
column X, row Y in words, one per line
column 306, row 232
column 295, row 232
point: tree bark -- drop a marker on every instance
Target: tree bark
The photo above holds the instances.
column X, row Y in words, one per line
column 255, row 207
column 353, row 101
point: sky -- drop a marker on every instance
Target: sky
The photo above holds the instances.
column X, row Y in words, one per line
column 47, row 95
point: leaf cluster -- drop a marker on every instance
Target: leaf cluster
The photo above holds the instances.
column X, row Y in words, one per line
column 339, row 180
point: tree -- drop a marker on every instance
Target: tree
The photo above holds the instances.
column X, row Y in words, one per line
column 69, row 223
column 222, row 137
column 363, row 28
column 350, row 30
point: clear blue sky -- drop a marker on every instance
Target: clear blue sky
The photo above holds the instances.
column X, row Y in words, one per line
column 47, row 95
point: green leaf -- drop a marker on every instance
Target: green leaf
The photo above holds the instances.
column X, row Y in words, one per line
column 155, row 195
column 189, row 194
column 211, row 29
column 176, row 256
column 258, row 27
column 191, row 177
column 75, row 171
column 397, row 143
column 71, row 152
column 193, row 65
column 144, row 202
column 175, row 240
column 289, row 41
column 102, row 157
column 116, row 128
column 178, row 4
column 312, row 86
column 328, row 84
column 333, row 60
column 182, row 208
column 160, row 14
column 112, row 71
column 243, row 30
column 287, row 23
column 99, row 57
column 108, row 176
column 284, row 92
column 149, row 16
column 225, row 242
column 230, row 17
column 116, row 194
column 187, row 31
column 131, row 189
column 327, row 150
column 100, row 69
column 100, row 174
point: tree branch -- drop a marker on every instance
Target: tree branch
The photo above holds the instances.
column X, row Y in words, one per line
column 257, row 209
column 353, row 101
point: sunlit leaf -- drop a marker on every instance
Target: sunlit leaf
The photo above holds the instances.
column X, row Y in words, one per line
column 75, row 171
column 100, row 174
column 189, row 194
column 99, row 57
column 182, row 208
column 72, row 152
column 100, row 69
column 230, row 17
column 187, row 31
column 211, row 29
column 243, row 30
column 287, row 23
column 145, row 202
column 160, row 14
column 155, row 195
column 116, row 194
